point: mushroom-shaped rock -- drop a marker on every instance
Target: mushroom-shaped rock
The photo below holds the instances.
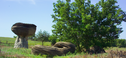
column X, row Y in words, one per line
column 58, row 49
column 23, row 31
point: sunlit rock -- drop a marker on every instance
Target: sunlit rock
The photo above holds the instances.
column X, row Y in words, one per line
column 23, row 31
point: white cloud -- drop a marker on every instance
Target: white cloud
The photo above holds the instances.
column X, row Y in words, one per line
column 31, row 1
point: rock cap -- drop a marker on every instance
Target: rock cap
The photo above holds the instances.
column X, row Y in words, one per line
column 23, row 29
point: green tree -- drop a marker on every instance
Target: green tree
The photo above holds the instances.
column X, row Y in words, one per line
column 46, row 35
column 121, row 43
column 42, row 36
column 31, row 37
column 53, row 39
column 85, row 24
column 14, row 36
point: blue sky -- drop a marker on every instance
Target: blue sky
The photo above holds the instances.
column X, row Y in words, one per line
column 37, row 12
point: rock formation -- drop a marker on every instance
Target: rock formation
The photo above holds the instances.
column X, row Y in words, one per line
column 23, row 31
column 60, row 48
column 96, row 50
column 69, row 46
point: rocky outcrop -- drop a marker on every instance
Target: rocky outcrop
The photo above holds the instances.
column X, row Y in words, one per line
column 96, row 50
column 23, row 31
column 60, row 48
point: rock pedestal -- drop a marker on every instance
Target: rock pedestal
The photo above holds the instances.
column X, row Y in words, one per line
column 21, row 42
column 23, row 31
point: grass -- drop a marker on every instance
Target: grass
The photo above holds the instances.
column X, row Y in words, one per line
column 5, row 47
column 7, row 51
column 19, row 52
column 113, row 52
column 8, row 47
column 31, row 43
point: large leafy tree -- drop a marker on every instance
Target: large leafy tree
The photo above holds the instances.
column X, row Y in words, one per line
column 85, row 24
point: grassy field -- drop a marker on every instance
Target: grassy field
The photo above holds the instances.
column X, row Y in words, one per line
column 30, row 43
column 7, row 51
column 8, row 43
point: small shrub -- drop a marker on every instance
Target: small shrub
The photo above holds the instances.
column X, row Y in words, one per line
column 53, row 39
column 14, row 36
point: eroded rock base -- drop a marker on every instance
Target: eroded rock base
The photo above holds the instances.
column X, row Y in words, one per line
column 21, row 42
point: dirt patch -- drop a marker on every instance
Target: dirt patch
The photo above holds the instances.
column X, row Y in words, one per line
column 1, row 46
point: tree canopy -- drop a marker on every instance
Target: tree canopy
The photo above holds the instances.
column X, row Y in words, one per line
column 85, row 24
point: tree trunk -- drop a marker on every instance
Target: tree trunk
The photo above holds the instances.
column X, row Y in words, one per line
column 42, row 42
column 78, row 44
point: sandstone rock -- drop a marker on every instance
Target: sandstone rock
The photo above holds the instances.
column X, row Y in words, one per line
column 48, row 50
column 58, row 49
column 69, row 46
column 21, row 43
column 23, row 31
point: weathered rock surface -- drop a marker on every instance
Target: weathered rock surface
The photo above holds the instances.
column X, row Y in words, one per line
column 21, row 42
column 23, row 31
column 96, row 49
column 69, row 46
column 58, row 49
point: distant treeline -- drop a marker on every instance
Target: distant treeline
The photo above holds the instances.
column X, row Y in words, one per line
column 42, row 36
column 119, row 43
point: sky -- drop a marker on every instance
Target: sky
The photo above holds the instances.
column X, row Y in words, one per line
column 36, row 12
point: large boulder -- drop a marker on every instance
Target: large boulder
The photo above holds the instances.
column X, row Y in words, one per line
column 58, row 49
column 23, row 30
column 47, row 50
column 69, row 46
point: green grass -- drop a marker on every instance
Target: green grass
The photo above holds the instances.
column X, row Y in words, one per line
column 7, row 39
column 23, row 52
column 119, row 49
column 30, row 42
column 4, row 39
column 20, row 52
